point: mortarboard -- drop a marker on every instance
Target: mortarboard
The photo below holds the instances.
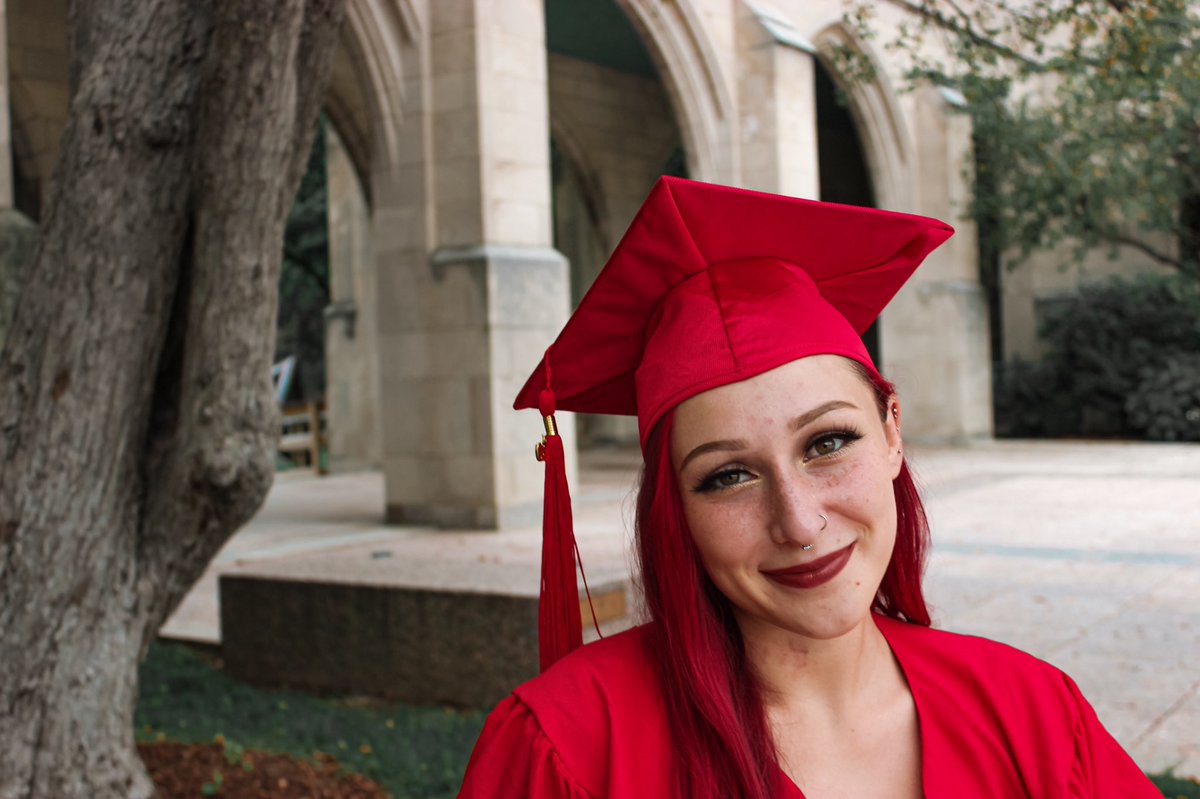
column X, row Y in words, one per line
column 710, row 285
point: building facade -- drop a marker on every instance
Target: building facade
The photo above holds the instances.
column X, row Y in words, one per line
column 485, row 156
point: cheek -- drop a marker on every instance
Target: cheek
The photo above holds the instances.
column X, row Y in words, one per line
column 723, row 535
column 864, row 493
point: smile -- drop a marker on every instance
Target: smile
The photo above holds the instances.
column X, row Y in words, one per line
column 813, row 573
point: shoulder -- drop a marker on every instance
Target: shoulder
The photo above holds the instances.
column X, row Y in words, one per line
column 966, row 654
column 994, row 716
column 989, row 676
column 606, row 670
column 600, row 709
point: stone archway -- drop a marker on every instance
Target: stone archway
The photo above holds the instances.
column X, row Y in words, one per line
column 933, row 334
column 613, row 130
column 364, row 106
column 691, row 74
column 580, row 211
column 886, row 142
column 38, row 93
column 867, row 136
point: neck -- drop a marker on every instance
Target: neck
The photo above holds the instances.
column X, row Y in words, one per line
column 806, row 675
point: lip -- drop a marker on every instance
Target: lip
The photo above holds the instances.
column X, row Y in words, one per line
column 814, row 573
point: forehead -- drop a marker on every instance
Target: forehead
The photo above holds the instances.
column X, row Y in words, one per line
column 770, row 399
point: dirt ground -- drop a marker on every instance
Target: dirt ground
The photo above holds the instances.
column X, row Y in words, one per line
column 188, row 771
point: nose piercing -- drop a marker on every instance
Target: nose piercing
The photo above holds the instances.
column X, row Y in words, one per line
column 824, row 524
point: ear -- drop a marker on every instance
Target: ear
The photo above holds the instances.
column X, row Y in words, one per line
column 891, row 431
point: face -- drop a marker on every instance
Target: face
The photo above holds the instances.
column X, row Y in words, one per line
column 786, row 483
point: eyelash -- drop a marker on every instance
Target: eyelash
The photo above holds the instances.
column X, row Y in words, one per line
column 711, row 483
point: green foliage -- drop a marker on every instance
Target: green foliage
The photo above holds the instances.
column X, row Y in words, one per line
column 412, row 752
column 1121, row 360
column 1174, row 787
column 304, row 276
column 1086, row 116
column 1166, row 404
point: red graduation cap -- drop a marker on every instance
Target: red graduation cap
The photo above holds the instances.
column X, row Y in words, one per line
column 710, row 285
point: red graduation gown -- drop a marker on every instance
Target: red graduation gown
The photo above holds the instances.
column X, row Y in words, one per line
column 994, row 722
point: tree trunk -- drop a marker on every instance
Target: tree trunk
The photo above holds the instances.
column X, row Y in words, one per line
column 1189, row 234
column 136, row 413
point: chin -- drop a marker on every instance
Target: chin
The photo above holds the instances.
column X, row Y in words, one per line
column 823, row 621
column 834, row 625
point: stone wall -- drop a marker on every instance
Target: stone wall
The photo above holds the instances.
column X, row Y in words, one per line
column 1047, row 276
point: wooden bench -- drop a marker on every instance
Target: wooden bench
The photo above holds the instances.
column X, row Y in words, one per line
column 303, row 432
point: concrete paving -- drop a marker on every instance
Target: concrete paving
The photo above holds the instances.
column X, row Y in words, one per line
column 1084, row 554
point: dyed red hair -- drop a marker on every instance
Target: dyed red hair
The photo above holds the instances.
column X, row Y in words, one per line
column 722, row 744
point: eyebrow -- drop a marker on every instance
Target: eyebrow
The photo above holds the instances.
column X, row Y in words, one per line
column 734, row 444
column 808, row 417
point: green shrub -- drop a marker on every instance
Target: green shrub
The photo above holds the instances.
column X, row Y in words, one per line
column 1116, row 364
column 1166, row 404
column 1029, row 404
column 1174, row 787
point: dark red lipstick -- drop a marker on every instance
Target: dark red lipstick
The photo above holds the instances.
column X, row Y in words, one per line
column 814, row 573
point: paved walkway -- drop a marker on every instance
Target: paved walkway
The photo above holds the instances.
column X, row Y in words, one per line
column 1084, row 554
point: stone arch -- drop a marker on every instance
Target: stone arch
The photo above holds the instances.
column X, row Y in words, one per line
column 28, row 180
column 38, row 87
column 365, row 104
column 366, row 93
column 590, row 185
column 690, row 72
column 876, row 111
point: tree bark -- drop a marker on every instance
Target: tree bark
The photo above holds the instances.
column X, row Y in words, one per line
column 136, row 414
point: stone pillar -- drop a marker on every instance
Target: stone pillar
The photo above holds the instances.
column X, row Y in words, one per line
column 351, row 326
column 777, row 106
column 935, row 333
column 464, row 322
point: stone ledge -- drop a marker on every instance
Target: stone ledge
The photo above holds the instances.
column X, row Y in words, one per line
column 465, row 642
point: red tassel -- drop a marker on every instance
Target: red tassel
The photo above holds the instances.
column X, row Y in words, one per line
column 559, row 628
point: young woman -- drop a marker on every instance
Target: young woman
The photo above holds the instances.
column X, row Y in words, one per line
column 788, row 651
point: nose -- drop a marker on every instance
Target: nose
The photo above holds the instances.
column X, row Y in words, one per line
column 796, row 518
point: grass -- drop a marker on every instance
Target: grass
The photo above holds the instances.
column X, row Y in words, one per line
column 1175, row 788
column 414, row 753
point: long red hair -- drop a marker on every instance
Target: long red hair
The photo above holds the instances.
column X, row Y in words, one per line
column 722, row 744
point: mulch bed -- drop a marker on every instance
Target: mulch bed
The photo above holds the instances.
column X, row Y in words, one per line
column 189, row 771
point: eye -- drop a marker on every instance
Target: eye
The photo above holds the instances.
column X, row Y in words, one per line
column 726, row 478
column 829, row 443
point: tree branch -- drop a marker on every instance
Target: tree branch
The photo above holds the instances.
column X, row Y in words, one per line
column 1144, row 248
column 269, row 64
column 967, row 31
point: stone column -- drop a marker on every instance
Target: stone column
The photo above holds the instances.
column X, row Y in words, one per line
column 935, row 333
column 464, row 322
column 777, row 105
column 351, row 327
